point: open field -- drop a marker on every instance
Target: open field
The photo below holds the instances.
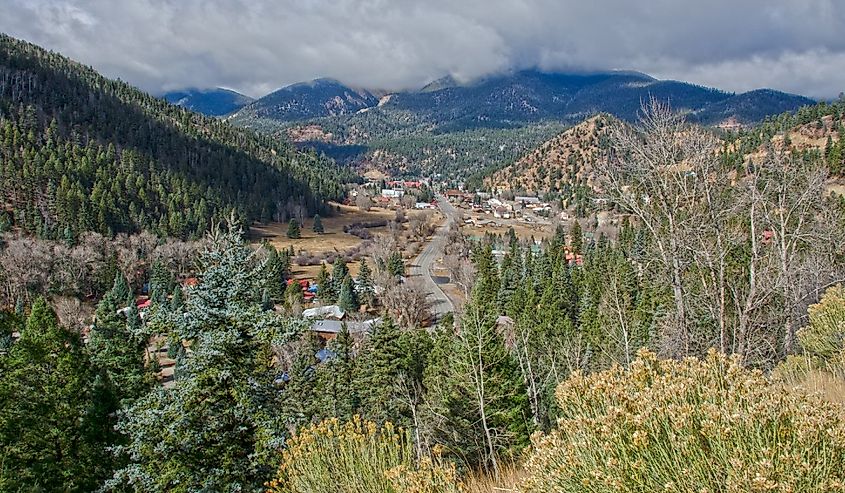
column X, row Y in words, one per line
column 333, row 240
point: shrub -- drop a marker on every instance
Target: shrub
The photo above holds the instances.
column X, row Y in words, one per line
column 358, row 457
column 687, row 426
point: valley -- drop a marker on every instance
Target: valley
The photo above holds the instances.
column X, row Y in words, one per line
column 526, row 280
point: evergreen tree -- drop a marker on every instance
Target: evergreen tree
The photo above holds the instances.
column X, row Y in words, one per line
column 339, row 272
column 220, row 426
column 335, row 389
column 176, row 299
column 52, row 433
column 121, row 293
column 117, row 346
column 576, row 238
column 377, row 374
column 475, row 393
column 318, row 224
column 395, row 264
column 293, row 295
column 325, row 286
column 365, row 288
column 293, row 229
column 348, row 299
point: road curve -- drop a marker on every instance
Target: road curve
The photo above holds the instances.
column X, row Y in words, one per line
column 422, row 265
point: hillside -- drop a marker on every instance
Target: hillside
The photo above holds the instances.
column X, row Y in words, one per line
column 314, row 99
column 80, row 152
column 211, row 102
column 565, row 161
column 559, row 163
column 515, row 107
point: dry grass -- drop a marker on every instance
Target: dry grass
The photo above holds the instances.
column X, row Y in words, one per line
column 508, row 481
column 333, row 239
column 820, row 383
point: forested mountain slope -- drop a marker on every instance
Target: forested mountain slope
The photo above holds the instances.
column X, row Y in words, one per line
column 565, row 162
column 461, row 126
column 211, row 102
column 81, row 152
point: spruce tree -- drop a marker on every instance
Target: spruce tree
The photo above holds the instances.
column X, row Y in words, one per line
column 377, row 373
column 476, row 392
column 220, row 426
column 339, row 272
column 335, row 389
column 293, row 229
column 576, row 238
column 365, row 287
column 348, row 299
column 395, row 265
column 293, row 295
column 325, row 286
column 53, row 433
column 318, row 224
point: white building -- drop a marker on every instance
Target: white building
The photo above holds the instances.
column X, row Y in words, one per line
column 392, row 193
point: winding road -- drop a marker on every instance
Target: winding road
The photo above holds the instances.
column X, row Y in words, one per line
column 422, row 265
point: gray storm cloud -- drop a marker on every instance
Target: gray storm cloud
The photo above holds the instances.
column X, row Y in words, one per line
column 255, row 46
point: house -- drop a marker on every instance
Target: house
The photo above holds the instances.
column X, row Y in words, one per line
column 423, row 205
column 574, row 258
column 328, row 311
column 454, row 195
column 329, row 329
column 527, row 200
column 191, row 281
column 501, row 212
column 392, row 193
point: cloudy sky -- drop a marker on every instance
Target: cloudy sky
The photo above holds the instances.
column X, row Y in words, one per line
column 255, row 46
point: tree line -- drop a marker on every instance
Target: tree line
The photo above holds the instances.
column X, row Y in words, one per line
column 79, row 152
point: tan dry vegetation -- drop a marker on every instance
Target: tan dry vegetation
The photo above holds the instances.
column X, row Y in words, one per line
column 578, row 145
column 333, row 239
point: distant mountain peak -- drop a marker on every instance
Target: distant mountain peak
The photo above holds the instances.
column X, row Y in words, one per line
column 209, row 101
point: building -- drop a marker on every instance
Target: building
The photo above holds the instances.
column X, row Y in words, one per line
column 527, row 200
column 329, row 329
column 392, row 193
column 328, row 311
column 424, row 205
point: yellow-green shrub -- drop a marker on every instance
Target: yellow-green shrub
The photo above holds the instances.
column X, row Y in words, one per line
column 360, row 457
column 687, row 426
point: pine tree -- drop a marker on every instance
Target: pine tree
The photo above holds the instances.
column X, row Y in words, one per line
column 348, row 299
column 219, row 428
column 576, row 238
column 318, row 224
column 339, row 272
column 395, row 265
column 476, row 393
column 121, row 294
column 293, row 295
column 325, row 286
column 52, row 434
column 293, row 229
column 365, row 287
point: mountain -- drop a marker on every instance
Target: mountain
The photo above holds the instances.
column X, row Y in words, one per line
column 314, row 99
column 751, row 107
column 211, row 102
column 565, row 162
column 519, row 98
column 79, row 152
column 558, row 164
column 456, row 128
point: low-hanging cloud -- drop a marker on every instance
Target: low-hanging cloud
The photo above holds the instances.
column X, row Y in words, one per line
column 255, row 46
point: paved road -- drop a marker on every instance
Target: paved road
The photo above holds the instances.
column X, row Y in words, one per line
column 422, row 266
